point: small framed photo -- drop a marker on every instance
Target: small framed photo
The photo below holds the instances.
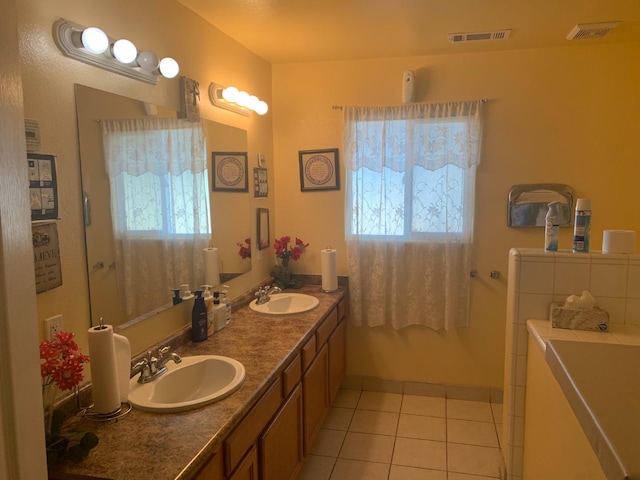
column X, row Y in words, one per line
column 263, row 228
column 229, row 171
column 260, row 183
column 319, row 170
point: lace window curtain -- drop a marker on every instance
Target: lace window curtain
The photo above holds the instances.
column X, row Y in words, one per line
column 409, row 212
column 157, row 170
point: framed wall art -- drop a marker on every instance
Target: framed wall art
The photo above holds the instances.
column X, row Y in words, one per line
column 319, row 170
column 263, row 228
column 260, row 183
column 229, row 171
column 43, row 186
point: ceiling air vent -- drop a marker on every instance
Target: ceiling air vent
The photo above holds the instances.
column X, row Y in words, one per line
column 591, row 30
column 479, row 36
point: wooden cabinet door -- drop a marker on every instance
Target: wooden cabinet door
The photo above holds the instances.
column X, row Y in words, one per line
column 281, row 443
column 248, row 468
column 337, row 358
column 315, row 396
column 213, row 469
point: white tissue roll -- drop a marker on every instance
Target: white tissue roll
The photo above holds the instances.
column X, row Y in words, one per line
column 619, row 241
column 328, row 259
column 123, row 365
column 211, row 272
column 104, row 373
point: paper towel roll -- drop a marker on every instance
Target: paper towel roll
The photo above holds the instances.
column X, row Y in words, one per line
column 328, row 259
column 123, row 364
column 619, row 241
column 211, row 272
column 104, row 373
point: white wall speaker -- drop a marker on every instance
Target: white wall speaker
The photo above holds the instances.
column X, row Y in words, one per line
column 408, row 86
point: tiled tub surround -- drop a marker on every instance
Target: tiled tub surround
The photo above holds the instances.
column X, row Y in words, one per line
column 157, row 446
column 535, row 280
column 599, row 375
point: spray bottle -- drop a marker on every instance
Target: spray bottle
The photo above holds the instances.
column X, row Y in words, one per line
column 582, row 226
column 552, row 228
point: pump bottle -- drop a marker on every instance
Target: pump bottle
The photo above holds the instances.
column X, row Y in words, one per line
column 219, row 316
column 208, row 301
column 226, row 301
column 199, row 319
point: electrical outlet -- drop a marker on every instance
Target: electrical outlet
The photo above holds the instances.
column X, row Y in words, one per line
column 52, row 325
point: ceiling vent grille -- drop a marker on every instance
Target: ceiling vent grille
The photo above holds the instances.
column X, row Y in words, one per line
column 591, row 30
column 479, row 36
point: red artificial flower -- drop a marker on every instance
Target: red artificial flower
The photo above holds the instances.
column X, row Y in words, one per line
column 61, row 361
column 283, row 250
column 245, row 250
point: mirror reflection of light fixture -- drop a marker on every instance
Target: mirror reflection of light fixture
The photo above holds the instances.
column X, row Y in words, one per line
column 91, row 45
column 238, row 101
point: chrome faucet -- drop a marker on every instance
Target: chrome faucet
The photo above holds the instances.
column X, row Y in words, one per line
column 151, row 367
column 263, row 294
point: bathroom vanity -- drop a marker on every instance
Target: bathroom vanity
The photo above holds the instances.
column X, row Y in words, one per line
column 294, row 367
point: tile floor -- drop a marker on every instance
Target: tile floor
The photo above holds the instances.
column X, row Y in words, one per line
column 390, row 436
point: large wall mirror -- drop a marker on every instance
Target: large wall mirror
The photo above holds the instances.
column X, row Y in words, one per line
column 110, row 295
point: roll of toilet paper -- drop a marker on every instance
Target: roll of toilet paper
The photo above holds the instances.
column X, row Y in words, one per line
column 328, row 259
column 619, row 241
column 123, row 364
column 104, row 371
column 211, row 272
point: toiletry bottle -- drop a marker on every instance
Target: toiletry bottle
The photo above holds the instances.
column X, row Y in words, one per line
column 199, row 319
column 582, row 225
column 219, row 316
column 552, row 228
column 176, row 296
column 208, row 301
column 226, row 301
column 185, row 293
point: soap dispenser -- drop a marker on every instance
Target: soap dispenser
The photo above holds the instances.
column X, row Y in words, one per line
column 176, row 296
column 219, row 317
column 199, row 319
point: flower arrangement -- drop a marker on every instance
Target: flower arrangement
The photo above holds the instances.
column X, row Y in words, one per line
column 245, row 250
column 61, row 365
column 286, row 252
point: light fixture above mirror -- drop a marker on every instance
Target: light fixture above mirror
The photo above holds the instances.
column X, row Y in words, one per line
column 238, row 101
column 93, row 46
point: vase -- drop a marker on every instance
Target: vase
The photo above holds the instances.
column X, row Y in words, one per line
column 49, row 392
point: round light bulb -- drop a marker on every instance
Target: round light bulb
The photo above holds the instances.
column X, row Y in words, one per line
column 124, row 51
column 95, row 40
column 243, row 99
column 262, row 107
column 169, row 68
column 230, row 94
column 147, row 60
column 252, row 102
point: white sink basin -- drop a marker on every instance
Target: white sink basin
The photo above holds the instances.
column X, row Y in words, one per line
column 285, row 303
column 192, row 383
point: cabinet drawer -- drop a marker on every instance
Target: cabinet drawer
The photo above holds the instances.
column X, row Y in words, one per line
column 327, row 326
column 308, row 353
column 291, row 376
column 246, row 434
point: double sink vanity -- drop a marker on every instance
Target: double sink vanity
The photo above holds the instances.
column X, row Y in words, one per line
column 271, row 376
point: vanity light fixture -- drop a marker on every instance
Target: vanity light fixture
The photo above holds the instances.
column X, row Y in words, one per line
column 93, row 46
column 236, row 100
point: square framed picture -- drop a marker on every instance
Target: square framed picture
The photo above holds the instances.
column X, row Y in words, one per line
column 229, row 171
column 319, row 170
column 263, row 228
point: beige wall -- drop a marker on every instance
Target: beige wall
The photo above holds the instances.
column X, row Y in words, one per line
column 165, row 26
column 566, row 115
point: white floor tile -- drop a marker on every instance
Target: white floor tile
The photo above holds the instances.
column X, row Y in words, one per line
column 471, row 432
column 412, row 452
column 469, row 410
column 425, row 428
column 381, row 401
column 419, row 405
column 346, row 398
column 316, row 468
column 370, row 421
column 367, row 447
column 328, row 442
column 399, row 472
column 472, row 459
column 354, row 469
column 338, row 418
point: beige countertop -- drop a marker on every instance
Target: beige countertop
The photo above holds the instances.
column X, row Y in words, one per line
column 599, row 375
column 174, row 446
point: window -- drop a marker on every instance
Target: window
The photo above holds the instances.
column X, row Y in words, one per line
column 409, row 212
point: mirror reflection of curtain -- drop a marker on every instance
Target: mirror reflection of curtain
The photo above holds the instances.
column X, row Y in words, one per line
column 409, row 212
column 157, row 170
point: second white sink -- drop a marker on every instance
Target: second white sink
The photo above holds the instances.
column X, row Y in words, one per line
column 285, row 303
